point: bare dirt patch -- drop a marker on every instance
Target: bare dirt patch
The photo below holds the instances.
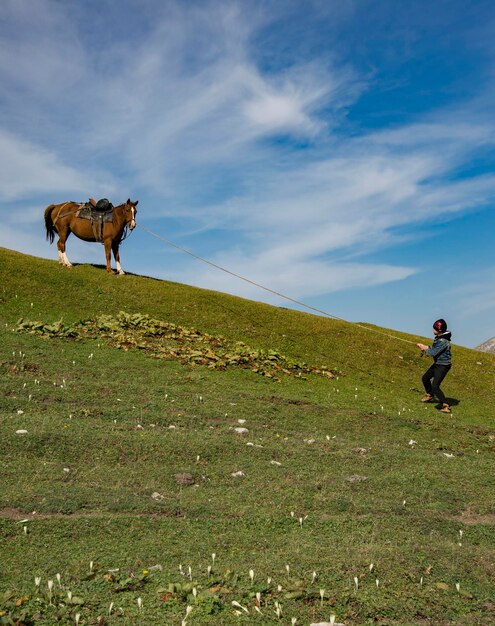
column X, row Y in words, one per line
column 14, row 514
column 17, row 515
column 470, row 518
column 278, row 400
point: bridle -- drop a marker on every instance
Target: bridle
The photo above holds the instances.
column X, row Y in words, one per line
column 130, row 224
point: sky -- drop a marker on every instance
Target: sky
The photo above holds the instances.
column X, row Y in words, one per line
column 340, row 153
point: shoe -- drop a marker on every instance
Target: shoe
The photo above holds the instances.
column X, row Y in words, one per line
column 427, row 397
column 445, row 408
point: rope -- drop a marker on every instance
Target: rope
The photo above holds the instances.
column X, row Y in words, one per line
column 277, row 293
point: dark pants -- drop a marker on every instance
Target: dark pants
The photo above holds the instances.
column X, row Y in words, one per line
column 432, row 380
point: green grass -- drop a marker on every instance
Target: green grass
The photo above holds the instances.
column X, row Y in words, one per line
column 107, row 431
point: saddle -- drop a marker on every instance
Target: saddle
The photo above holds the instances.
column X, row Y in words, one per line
column 97, row 213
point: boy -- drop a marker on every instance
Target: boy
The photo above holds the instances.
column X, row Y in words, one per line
column 442, row 362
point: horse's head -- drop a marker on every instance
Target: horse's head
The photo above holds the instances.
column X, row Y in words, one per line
column 130, row 213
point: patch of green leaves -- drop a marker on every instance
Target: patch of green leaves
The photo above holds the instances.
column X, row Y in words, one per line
column 127, row 581
column 28, row 609
column 165, row 340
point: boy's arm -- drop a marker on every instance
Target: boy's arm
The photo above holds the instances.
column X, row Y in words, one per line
column 434, row 350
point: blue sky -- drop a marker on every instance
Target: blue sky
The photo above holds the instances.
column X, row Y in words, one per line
column 338, row 152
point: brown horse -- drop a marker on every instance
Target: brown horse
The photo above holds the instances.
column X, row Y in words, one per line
column 63, row 219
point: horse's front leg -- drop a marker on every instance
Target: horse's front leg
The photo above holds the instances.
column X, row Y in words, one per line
column 108, row 252
column 116, row 254
column 63, row 259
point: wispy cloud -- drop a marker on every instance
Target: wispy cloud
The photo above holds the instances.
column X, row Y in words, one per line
column 313, row 218
column 477, row 294
column 28, row 169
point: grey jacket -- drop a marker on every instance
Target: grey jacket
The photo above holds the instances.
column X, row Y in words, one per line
column 440, row 349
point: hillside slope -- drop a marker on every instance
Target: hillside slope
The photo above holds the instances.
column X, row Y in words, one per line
column 40, row 289
column 136, row 483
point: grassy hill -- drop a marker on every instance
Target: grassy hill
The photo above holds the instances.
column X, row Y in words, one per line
column 346, row 496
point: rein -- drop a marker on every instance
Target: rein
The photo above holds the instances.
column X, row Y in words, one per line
column 125, row 232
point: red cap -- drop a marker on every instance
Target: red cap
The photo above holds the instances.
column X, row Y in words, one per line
column 440, row 325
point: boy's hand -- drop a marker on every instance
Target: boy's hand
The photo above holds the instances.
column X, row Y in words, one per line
column 422, row 346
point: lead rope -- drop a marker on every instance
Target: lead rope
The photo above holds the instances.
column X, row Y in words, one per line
column 277, row 293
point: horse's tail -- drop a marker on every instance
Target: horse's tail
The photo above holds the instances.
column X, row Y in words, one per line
column 50, row 228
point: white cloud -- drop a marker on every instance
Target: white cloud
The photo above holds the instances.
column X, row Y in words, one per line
column 27, row 169
column 277, row 111
column 477, row 293
column 287, row 104
column 297, row 279
column 356, row 197
column 25, row 240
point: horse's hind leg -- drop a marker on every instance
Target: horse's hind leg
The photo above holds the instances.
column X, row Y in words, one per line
column 116, row 256
column 63, row 259
column 108, row 254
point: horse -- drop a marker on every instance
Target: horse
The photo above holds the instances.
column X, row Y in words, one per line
column 64, row 219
